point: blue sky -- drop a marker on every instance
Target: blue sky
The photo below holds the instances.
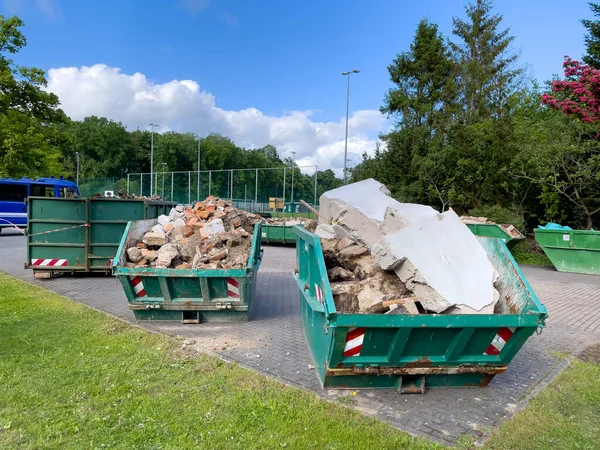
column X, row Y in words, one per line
column 274, row 56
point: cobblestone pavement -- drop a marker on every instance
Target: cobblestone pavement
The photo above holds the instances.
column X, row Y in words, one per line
column 272, row 342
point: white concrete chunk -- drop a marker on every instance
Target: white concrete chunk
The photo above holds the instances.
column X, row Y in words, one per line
column 155, row 238
column 179, row 223
column 325, row 231
column 443, row 264
column 213, row 228
column 157, row 229
column 163, row 220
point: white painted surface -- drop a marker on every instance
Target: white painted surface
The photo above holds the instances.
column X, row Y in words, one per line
column 447, row 257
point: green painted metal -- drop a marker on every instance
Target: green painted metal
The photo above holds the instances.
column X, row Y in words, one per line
column 187, row 295
column 409, row 352
column 496, row 231
column 94, row 228
column 576, row 251
column 278, row 234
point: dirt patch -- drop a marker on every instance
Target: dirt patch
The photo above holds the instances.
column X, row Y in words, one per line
column 591, row 354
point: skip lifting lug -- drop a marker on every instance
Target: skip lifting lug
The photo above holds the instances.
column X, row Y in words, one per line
column 326, row 328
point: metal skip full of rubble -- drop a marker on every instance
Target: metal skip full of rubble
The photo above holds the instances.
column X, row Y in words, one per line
column 413, row 352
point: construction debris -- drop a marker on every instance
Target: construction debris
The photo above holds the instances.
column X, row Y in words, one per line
column 508, row 229
column 416, row 251
column 286, row 221
column 211, row 235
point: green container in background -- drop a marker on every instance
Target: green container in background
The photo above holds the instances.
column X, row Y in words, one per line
column 89, row 231
column 187, row 295
column 412, row 352
column 509, row 234
column 576, row 251
column 278, row 234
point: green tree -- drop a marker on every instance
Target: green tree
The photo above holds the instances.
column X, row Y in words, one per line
column 28, row 113
column 592, row 38
column 489, row 75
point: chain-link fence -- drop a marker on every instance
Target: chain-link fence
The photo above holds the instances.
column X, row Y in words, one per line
column 249, row 189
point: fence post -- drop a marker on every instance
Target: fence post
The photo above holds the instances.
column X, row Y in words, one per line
column 172, row 175
column 256, row 190
column 315, row 198
column 128, row 183
column 189, row 188
column 141, row 184
column 231, row 195
column 284, row 169
column 209, row 181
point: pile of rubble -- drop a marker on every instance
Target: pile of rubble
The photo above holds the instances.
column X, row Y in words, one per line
column 511, row 230
column 286, row 221
column 380, row 252
column 211, row 235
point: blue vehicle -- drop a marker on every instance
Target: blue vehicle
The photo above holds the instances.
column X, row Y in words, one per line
column 13, row 195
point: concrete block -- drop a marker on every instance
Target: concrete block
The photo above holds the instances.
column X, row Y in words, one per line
column 157, row 228
column 213, row 228
column 179, row 222
column 157, row 239
column 163, row 220
column 325, row 231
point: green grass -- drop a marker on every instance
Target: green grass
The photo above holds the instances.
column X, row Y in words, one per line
column 531, row 258
column 74, row 378
column 565, row 415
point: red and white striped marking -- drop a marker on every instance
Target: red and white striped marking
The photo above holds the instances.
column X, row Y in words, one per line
column 499, row 341
column 138, row 286
column 49, row 262
column 233, row 288
column 354, row 341
column 319, row 293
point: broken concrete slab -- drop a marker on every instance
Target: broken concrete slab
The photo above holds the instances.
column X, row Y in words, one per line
column 442, row 263
column 365, row 211
column 157, row 228
column 326, row 231
column 213, row 228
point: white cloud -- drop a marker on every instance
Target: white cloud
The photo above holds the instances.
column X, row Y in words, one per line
column 182, row 105
column 193, row 7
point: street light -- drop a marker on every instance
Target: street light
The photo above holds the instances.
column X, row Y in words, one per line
column 163, row 179
column 292, row 196
column 77, row 156
column 347, row 108
column 152, row 125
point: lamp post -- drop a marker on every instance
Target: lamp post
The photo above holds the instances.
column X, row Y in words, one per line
column 163, row 179
column 77, row 156
column 152, row 125
column 347, row 108
column 292, row 196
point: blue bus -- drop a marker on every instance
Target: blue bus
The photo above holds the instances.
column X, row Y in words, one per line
column 13, row 193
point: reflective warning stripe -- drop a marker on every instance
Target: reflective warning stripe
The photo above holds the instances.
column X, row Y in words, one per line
column 233, row 288
column 319, row 293
column 138, row 286
column 49, row 262
column 354, row 341
column 501, row 338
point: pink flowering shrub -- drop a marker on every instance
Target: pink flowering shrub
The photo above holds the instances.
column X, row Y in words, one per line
column 578, row 94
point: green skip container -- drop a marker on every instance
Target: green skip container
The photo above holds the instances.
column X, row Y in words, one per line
column 187, row 295
column 81, row 234
column 509, row 234
column 410, row 353
column 278, row 234
column 575, row 251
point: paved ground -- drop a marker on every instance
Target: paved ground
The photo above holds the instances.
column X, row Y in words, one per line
column 272, row 342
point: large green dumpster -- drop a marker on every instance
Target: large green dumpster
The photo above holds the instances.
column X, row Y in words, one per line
column 576, row 251
column 187, row 295
column 81, row 234
column 508, row 233
column 412, row 352
column 278, row 234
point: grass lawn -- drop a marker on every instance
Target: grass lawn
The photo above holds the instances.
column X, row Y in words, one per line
column 565, row 415
column 531, row 258
column 74, row 378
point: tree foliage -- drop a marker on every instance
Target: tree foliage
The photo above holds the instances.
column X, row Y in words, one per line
column 29, row 115
column 592, row 38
